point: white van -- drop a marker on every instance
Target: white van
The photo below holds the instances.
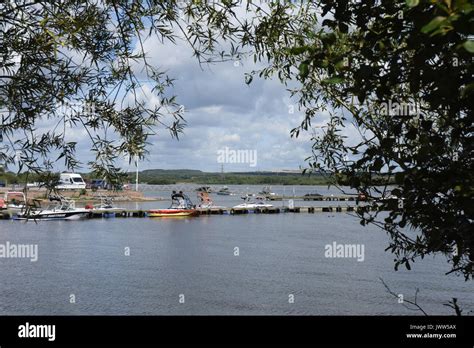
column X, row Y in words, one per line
column 71, row 181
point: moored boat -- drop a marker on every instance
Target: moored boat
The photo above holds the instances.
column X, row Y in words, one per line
column 181, row 206
column 172, row 212
column 266, row 191
column 64, row 209
column 204, row 189
column 224, row 191
column 253, row 204
column 106, row 205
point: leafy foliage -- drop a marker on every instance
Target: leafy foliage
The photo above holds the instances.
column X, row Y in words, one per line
column 401, row 76
column 69, row 67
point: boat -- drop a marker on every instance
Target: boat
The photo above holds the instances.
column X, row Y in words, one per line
column 266, row 191
column 61, row 209
column 181, row 206
column 224, row 191
column 250, row 204
column 13, row 200
column 248, row 196
column 106, row 207
column 204, row 189
column 172, row 212
column 206, row 202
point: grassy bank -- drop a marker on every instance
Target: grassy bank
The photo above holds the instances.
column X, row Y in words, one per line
column 169, row 177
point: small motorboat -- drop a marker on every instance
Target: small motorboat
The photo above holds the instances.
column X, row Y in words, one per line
column 252, row 205
column 248, row 196
column 172, row 212
column 266, row 191
column 63, row 209
column 106, row 205
column 181, row 206
column 224, row 191
column 204, row 189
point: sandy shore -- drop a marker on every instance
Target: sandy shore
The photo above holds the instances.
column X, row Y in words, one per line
column 89, row 195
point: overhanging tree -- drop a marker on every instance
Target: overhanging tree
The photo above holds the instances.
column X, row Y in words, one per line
column 402, row 74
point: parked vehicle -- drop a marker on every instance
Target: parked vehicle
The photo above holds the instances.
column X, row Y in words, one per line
column 99, row 184
column 311, row 196
column 71, row 181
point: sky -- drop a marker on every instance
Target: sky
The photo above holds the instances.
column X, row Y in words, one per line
column 223, row 114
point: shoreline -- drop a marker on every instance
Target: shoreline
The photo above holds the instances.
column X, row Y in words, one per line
column 79, row 196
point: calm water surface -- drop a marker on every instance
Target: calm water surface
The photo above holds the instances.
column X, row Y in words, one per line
column 279, row 255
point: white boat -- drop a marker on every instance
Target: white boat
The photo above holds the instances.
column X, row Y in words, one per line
column 64, row 209
column 266, row 191
column 248, row 196
column 106, row 205
column 224, row 191
column 252, row 205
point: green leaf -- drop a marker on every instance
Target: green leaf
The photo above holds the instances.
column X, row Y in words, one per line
column 378, row 164
column 469, row 46
column 341, row 64
column 333, row 80
column 433, row 24
column 304, row 70
column 248, row 79
column 399, row 177
column 298, row 50
column 412, row 3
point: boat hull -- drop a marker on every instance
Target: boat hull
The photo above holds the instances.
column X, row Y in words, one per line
column 252, row 206
column 172, row 212
column 52, row 216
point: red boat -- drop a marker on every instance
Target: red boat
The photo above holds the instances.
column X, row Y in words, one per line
column 172, row 212
column 181, row 206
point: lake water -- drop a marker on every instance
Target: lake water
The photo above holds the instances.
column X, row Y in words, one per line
column 281, row 257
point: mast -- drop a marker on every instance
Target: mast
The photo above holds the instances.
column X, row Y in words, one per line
column 136, row 174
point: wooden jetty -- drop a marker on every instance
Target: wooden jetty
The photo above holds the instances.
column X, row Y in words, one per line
column 137, row 213
column 340, row 198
